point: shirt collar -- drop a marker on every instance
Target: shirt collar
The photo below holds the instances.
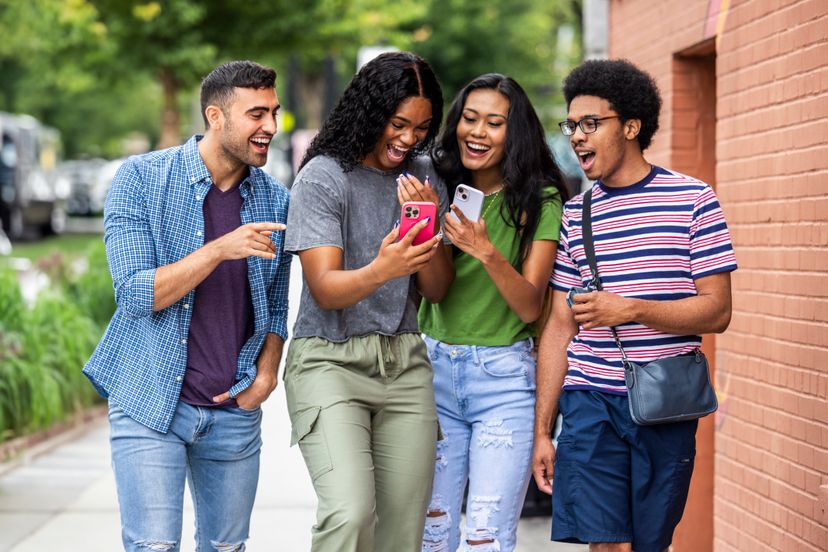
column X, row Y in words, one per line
column 197, row 171
column 194, row 165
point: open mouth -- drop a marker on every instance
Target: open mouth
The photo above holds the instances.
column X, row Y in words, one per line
column 474, row 149
column 587, row 159
column 396, row 154
column 260, row 144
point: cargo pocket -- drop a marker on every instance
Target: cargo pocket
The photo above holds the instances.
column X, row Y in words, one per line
column 310, row 436
column 679, row 488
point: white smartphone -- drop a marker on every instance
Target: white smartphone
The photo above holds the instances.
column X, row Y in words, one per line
column 469, row 200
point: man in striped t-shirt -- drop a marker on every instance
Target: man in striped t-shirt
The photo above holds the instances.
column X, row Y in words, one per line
column 664, row 256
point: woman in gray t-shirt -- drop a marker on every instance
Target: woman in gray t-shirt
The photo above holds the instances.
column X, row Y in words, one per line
column 357, row 378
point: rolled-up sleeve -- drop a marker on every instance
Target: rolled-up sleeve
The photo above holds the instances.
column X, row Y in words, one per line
column 130, row 247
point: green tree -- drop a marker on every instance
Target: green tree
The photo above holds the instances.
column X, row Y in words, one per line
column 520, row 38
column 98, row 69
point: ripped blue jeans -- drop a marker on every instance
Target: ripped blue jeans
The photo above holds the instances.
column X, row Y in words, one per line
column 486, row 407
column 215, row 449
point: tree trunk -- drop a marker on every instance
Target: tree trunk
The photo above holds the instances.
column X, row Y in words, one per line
column 170, row 116
column 311, row 92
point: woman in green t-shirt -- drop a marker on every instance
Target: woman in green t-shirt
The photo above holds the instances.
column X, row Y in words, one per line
column 480, row 336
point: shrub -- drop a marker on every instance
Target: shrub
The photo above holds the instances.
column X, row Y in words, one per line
column 92, row 290
column 43, row 348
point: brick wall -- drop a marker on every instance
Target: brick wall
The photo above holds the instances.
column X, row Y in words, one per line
column 771, row 175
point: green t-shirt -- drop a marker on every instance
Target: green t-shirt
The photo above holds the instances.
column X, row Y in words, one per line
column 473, row 312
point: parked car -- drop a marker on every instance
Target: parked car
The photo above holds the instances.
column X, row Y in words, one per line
column 100, row 186
column 32, row 191
column 82, row 175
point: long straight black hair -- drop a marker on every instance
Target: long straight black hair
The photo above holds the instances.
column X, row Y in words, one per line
column 527, row 167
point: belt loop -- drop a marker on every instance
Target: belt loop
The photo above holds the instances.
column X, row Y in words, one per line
column 475, row 354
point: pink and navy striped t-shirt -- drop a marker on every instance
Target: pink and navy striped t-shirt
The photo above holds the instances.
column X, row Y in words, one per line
column 652, row 241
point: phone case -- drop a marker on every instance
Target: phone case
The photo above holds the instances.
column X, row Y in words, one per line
column 469, row 200
column 413, row 212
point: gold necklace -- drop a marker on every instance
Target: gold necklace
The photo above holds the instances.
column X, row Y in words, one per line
column 493, row 195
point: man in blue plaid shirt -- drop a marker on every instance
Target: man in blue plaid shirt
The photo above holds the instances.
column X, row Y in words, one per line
column 195, row 245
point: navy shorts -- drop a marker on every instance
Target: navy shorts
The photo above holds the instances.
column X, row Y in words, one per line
column 616, row 481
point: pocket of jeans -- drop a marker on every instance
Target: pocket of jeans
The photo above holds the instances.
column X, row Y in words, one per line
column 246, row 412
column 311, row 439
column 503, row 362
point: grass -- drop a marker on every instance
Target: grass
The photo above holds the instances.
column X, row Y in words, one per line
column 70, row 245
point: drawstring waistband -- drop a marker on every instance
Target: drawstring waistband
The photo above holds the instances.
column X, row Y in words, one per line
column 385, row 354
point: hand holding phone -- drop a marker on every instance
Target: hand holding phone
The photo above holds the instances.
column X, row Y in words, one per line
column 413, row 212
column 570, row 296
column 470, row 202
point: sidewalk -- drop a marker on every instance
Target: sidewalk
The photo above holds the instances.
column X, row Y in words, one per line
column 64, row 499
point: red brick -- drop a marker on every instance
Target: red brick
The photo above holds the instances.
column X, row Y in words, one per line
column 771, row 176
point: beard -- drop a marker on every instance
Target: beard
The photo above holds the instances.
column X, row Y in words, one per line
column 237, row 148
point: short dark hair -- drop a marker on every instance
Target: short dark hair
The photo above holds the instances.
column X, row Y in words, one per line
column 217, row 87
column 356, row 123
column 527, row 168
column 631, row 92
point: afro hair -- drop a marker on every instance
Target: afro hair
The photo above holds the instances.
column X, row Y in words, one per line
column 631, row 92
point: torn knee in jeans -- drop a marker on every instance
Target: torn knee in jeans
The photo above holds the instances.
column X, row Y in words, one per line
column 480, row 537
column 156, row 545
column 227, row 547
column 437, row 525
column 482, row 540
column 495, row 434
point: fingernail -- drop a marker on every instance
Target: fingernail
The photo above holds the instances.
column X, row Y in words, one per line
column 426, row 179
column 406, row 173
column 440, row 235
column 397, row 223
column 428, row 219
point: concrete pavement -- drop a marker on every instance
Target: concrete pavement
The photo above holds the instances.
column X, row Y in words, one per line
column 63, row 499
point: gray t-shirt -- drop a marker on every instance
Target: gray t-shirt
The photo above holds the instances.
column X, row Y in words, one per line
column 353, row 211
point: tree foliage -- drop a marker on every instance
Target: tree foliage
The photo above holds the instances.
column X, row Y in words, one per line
column 101, row 69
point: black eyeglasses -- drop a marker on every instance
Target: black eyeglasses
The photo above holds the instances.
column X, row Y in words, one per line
column 588, row 125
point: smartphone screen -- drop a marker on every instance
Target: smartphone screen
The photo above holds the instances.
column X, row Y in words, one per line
column 413, row 212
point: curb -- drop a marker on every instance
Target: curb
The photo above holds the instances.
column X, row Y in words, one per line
column 23, row 450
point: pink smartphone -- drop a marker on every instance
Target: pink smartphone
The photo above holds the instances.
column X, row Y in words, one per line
column 413, row 212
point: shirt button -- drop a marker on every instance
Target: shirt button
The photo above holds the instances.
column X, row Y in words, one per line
column 186, row 305
column 198, row 233
column 178, row 378
column 198, row 198
column 183, row 341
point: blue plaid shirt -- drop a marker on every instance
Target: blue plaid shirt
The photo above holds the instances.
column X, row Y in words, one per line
column 154, row 217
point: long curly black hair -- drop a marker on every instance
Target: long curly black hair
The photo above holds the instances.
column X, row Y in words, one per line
column 527, row 167
column 359, row 118
column 631, row 92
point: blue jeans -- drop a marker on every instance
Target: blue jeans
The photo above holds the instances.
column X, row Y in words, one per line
column 215, row 449
column 486, row 408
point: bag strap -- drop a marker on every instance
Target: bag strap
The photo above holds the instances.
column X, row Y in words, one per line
column 589, row 251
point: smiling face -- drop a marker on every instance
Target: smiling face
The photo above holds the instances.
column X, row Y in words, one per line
column 611, row 153
column 405, row 128
column 481, row 132
column 248, row 125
